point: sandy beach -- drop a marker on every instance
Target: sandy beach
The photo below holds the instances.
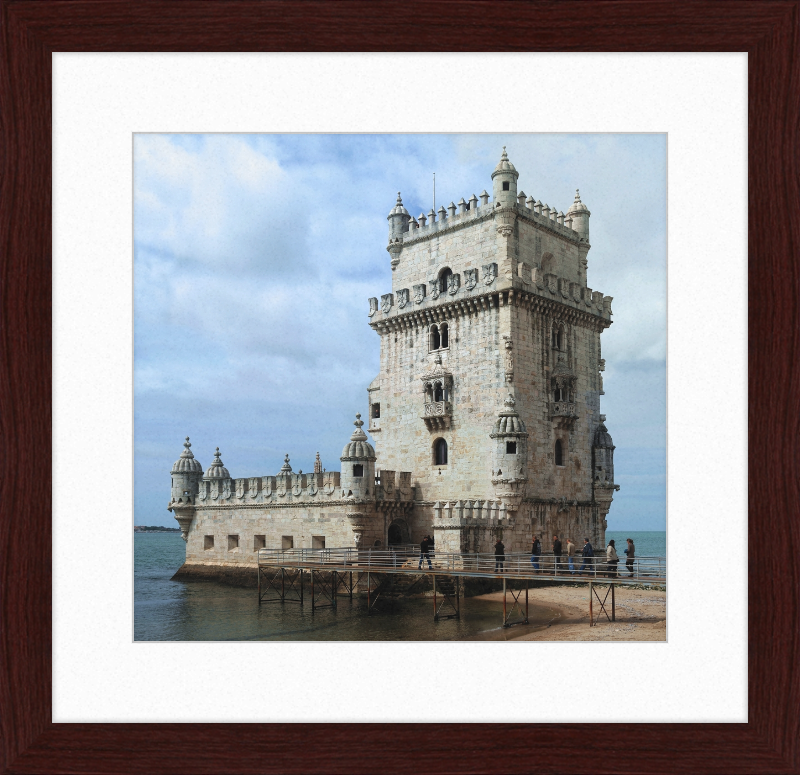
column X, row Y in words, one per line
column 640, row 616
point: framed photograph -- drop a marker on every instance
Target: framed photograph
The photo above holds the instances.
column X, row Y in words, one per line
column 43, row 732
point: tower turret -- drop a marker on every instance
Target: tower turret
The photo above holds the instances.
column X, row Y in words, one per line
column 358, row 464
column 186, row 475
column 579, row 213
column 510, row 457
column 398, row 219
column 603, row 455
column 504, row 182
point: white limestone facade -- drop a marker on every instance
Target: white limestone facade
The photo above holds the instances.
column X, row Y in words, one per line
column 485, row 415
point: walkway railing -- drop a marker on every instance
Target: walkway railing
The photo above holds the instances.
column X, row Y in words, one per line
column 407, row 558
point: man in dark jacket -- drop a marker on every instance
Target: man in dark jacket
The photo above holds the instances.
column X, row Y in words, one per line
column 536, row 552
column 424, row 551
column 588, row 554
column 499, row 555
column 557, row 553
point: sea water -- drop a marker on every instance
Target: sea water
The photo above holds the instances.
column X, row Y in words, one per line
column 647, row 543
column 204, row 610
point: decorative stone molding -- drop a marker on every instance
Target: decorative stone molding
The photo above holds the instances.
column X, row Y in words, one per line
column 402, row 298
column 489, row 273
column 453, row 283
column 419, row 293
column 386, row 303
column 373, row 306
column 470, row 278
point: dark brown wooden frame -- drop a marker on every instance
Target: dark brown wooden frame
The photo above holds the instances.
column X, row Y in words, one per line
column 31, row 31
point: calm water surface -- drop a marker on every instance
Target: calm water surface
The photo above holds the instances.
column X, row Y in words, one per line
column 202, row 610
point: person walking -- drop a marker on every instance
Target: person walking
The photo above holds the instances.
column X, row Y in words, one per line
column 499, row 555
column 536, row 552
column 630, row 551
column 556, row 553
column 570, row 556
column 611, row 559
column 424, row 551
column 588, row 555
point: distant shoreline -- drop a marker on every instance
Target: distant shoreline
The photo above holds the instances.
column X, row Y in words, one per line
column 155, row 529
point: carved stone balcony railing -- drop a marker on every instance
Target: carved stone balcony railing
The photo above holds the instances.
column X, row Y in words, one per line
column 437, row 414
column 564, row 412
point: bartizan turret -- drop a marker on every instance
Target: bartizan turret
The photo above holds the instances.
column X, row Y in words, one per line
column 603, row 470
column 398, row 225
column 358, row 465
column 186, row 475
column 510, row 455
column 504, row 182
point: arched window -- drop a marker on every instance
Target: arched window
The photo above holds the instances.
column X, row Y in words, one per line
column 444, row 275
column 445, row 335
column 440, row 452
column 435, row 339
column 557, row 337
column 438, row 393
column 358, row 470
column 559, row 453
column 557, row 394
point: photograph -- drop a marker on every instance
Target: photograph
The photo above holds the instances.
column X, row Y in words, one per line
column 400, row 387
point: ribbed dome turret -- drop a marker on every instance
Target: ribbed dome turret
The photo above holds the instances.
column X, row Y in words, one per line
column 186, row 463
column 398, row 209
column 602, row 438
column 285, row 468
column 358, row 447
column 508, row 421
column 578, row 206
column 504, row 165
column 217, row 470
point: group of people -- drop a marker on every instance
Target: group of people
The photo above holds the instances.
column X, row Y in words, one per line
column 587, row 552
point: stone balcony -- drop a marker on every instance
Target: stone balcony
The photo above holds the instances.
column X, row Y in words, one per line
column 437, row 415
column 564, row 412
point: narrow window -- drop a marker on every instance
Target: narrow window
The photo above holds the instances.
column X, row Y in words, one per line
column 553, row 339
column 358, row 470
column 443, row 279
column 259, row 542
column 438, row 394
column 557, row 394
column 376, row 411
column 511, row 448
column 287, row 542
column 435, row 341
column 505, row 185
column 233, row 543
column 440, row 452
column 445, row 335
column 559, row 453
column 317, row 542
column 208, row 542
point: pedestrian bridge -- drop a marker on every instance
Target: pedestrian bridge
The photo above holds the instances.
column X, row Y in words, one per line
column 385, row 574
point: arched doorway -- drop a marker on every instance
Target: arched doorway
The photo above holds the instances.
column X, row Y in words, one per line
column 397, row 533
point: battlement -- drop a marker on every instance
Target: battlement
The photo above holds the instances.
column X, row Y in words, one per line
column 434, row 224
column 463, row 513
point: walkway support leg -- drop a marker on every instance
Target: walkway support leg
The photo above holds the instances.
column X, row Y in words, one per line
column 504, row 601
column 369, row 590
column 435, row 616
column 283, row 584
column 613, row 611
column 259, row 585
column 313, row 601
column 591, row 607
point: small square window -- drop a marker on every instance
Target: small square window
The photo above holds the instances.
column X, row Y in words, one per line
column 233, row 543
column 358, row 470
column 259, row 542
column 317, row 542
column 505, row 185
column 208, row 542
column 287, row 542
column 511, row 448
column 376, row 411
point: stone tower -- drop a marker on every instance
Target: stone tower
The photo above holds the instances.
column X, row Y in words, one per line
column 489, row 386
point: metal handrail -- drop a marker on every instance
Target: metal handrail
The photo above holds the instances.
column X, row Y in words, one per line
column 520, row 564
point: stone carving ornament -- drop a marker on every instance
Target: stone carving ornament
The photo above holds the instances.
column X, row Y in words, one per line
column 489, row 273
column 419, row 293
column 453, row 283
column 386, row 303
column 402, row 298
column 240, row 488
column 434, row 285
column 373, row 306
column 470, row 279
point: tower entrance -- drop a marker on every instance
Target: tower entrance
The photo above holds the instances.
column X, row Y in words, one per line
column 398, row 533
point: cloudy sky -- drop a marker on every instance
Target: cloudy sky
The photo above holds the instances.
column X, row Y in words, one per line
column 254, row 257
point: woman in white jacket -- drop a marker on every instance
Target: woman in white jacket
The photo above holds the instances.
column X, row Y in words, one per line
column 611, row 559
